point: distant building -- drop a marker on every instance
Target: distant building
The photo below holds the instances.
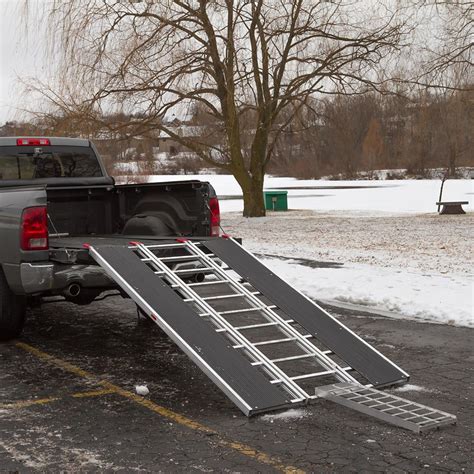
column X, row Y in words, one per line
column 168, row 144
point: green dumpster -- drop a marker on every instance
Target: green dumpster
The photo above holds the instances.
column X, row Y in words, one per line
column 276, row 200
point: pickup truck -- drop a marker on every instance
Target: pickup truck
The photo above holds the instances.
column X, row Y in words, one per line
column 55, row 197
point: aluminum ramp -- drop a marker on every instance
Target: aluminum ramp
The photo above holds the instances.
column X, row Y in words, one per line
column 387, row 407
column 265, row 345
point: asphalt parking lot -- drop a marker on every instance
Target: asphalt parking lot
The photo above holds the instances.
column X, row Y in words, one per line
column 67, row 403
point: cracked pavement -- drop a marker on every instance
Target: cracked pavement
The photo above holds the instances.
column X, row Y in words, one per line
column 72, row 427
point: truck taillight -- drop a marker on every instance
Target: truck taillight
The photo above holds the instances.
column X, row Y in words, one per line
column 215, row 217
column 34, row 229
column 33, row 142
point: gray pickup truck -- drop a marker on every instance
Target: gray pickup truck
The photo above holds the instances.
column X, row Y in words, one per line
column 55, row 198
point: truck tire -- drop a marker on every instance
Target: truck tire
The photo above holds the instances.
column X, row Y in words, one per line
column 12, row 311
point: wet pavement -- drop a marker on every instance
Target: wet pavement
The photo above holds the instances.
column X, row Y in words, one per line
column 67, row 403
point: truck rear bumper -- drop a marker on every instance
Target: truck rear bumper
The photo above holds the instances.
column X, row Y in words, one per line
column 37, row 278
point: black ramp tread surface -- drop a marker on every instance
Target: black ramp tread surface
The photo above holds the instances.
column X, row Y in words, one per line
column 334, row 335
column 211, row 347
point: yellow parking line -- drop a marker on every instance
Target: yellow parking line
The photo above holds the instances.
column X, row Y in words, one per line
column 27, row 403
column 55, row 361
column 43, row 401
column 93, row 393
column 164, row 412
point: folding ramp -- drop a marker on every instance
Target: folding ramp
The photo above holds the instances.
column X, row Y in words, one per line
column 264, row 344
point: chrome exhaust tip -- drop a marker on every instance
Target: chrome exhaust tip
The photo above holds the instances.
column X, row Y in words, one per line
column 72, row 291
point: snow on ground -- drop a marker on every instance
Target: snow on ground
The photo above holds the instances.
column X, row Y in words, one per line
column 287, row 415
column 425, row 242
column 386, row 245
column 419, row 266
column 395, row 197
column 446, row 299
column 411, row 388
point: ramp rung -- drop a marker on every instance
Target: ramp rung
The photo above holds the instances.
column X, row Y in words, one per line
column 220, row 297
column 434, row 420
column 301, row 356
column 398, row 406
column 202, row 283
column 357, row 396
column 307, row 376
column 275, row 341
column 161, row 246
column 177, row 258
column 318, row 374
column 245, row 310
column 190, row 271
column 311, row 376
column 254, row 326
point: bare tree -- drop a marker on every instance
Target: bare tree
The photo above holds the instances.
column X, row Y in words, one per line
column 456, row 120
column 373, row 145
column 251, row 65
column 448, row 56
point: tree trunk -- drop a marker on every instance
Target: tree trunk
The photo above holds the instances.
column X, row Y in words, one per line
column 452, row 161
column 252, row 190
column 254, row 204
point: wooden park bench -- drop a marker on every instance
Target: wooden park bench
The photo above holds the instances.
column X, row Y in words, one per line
column 451, row 207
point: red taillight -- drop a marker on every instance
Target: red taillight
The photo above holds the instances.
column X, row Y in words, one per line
column 215, row 217
column 34, row 229
column 33, row 142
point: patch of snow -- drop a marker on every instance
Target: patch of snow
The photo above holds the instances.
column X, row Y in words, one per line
column 142, row 390
column 390, row 346
column 26, row 459
column 292, row 414
column 85, row 458
column 411, row 388
column 126, row 167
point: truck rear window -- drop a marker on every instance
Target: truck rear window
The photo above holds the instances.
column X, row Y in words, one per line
column 48, row 162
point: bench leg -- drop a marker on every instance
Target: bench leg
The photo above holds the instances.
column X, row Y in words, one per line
column 452, row 209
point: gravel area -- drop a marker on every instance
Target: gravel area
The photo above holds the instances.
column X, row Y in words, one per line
column 426, row 243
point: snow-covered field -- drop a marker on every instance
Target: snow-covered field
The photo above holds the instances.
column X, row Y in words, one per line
column 388, row 247
column 396, row 197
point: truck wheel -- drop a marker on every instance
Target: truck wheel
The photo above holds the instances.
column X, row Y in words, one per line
column 12, row 311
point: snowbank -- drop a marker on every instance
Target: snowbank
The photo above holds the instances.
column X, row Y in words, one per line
column 437, row 298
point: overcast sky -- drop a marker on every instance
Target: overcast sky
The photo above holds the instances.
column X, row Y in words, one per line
column 18, row 57
column 25, row 56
